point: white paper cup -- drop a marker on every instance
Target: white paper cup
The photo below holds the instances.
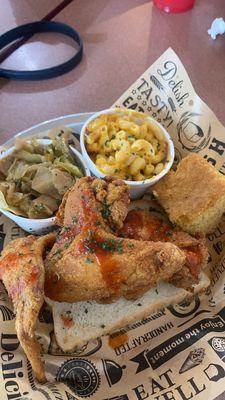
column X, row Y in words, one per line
column 40, row 226
column 137, row 188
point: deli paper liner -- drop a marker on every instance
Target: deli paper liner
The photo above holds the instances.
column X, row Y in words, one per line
column 176, row 353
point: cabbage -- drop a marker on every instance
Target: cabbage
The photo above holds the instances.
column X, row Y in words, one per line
column 35, row 176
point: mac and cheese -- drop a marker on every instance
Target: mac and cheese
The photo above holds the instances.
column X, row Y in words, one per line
column 126, row 144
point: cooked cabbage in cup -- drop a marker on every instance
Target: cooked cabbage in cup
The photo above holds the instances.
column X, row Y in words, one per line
column 126, row 144
column 35, row 176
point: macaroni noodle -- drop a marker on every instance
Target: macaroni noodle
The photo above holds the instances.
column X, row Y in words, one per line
column 127, row 145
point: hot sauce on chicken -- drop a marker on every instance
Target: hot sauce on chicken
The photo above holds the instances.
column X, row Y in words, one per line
column 142, row 225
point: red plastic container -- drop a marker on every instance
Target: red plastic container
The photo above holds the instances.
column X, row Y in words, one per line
column 174, row 6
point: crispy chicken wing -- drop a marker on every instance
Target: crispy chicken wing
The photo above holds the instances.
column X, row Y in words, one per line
column 89, row 262
column 108, row 197
column 22, row 272
column 142, row 225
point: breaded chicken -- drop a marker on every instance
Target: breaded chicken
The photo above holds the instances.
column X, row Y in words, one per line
column 142, row 225
column 114, row 197
column 193, row 195
column 110, row 198
column 88, row 262
column 22, row 272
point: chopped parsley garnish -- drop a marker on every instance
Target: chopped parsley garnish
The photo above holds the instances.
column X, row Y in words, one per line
column 111, row 245
column 74, row 220
column 105, row 211
column 57, row 252
column 139, row 304
column 102, row 326
column 131, row 245
column 87, row 246
column 90, row 232
column 113, row 137
column 92, row 243
column 89, row 261
column 86, row 310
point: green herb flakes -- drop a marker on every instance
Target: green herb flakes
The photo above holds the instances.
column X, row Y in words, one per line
column 89, row 261
column 57, row 252
column 105, row 212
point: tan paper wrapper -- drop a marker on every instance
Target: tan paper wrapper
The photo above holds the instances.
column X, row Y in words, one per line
column 177, row 353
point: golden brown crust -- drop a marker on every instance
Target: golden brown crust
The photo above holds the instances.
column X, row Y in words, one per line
column 111, row 196
column 140, row 224
column 101, row 265
column 22, row 272
column 139, row 267
column 114, row 194
column 193, row 195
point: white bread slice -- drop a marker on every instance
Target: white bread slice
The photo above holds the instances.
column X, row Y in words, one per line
column 77, row 323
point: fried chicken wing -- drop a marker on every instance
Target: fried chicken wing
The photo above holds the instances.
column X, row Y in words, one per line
column 107, row 198
column 89, row 262
column 142, row 225
column 22, row 272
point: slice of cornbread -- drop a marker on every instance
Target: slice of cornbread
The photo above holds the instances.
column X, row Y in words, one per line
column 193, row 195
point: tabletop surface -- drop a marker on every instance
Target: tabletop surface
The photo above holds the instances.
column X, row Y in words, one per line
column 122, row 39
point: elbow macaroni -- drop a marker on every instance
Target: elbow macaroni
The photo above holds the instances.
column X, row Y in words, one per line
column 127, row 145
